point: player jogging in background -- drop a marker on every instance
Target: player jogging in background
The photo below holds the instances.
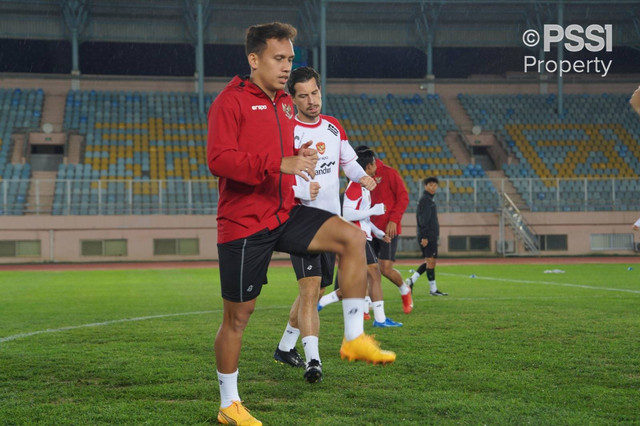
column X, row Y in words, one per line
column 250, row 148
column 391, row 192
column 357, row 208
column 428, row 233
column 635, row 104
column 314, row 271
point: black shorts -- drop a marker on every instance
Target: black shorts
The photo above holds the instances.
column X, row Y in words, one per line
column 371, row 254
column 315, row 265
column 371, row 260
column 431, row 250
column 385, row 251
column 244, row 262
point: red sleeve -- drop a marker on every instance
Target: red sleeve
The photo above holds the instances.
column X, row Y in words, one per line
column 223, row 154
column 353, row 192
column 399, row 190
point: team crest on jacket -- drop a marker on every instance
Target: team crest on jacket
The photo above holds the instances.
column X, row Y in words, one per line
column 321, row 147
column 287, row 111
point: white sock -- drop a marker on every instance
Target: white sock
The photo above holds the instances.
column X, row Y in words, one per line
column 328, row 299
column 228, row 388
column 404, row 289
column 289, row 338
column 378, row 311
column 310, row 344
column 367, row 304
column 415, row 277
column 353, row 317
column 433, row 286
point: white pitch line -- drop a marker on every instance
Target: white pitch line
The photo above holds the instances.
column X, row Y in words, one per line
column 100, row 324
column 509, row 280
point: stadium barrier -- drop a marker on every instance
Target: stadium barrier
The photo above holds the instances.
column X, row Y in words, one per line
column 200, row 197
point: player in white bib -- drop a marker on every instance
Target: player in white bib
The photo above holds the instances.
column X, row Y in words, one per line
column 357, row 208
column 323, row 192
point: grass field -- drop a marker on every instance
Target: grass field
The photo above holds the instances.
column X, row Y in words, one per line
column 511, row 346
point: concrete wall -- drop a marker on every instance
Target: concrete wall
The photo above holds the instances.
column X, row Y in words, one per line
column 60, row 236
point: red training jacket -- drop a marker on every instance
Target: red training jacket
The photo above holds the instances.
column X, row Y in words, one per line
column 392, row 192
column 248, row 136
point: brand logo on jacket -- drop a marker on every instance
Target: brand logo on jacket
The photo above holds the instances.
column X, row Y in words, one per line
column 259, row 107
column 286, row 108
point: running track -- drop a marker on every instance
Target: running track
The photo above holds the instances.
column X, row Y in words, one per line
column 214, row 264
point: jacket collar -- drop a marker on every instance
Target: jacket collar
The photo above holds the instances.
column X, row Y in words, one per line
column 245, row 84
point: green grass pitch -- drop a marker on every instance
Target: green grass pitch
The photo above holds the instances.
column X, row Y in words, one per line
column 511, row 345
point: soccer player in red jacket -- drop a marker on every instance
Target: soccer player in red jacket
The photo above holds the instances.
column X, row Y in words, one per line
column 250, row 148
column 392, row 192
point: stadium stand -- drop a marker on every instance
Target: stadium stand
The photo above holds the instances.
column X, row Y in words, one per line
column 19, row 109
column 409, row 132
column 585, row 158
column 145, row 153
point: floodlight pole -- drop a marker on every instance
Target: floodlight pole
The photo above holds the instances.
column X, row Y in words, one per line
column 75, row 16
column 560, row 58
column 426, row 21
column 323, row 48
column 75, row 67
column 200, row 57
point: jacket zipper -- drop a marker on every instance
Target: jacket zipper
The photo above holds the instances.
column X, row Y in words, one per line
column 275, row 109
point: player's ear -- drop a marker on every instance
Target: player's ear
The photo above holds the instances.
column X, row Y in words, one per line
column 253, row 59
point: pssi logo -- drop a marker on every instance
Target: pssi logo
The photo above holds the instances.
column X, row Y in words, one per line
column 321, row 147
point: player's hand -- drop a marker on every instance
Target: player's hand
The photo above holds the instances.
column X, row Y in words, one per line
column 309, row 153
column 424, row 242
column 635, row 100
column 368, row 182
column 386, row 239
column 392, row 229
column 635, row 227
column 303, row 164
column 298, row 165
column 314, row 189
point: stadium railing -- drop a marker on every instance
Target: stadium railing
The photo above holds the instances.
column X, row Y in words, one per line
column 139, row 197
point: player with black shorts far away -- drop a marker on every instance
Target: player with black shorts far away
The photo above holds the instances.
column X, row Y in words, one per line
column 357, row 208
column 250, row 148
column 323, row 192
column 392, row 192
column 428, row 233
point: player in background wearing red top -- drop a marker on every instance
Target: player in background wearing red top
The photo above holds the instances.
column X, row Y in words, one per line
column 392, row 192
column 323, row 192
column 250, row 148
column 635, row 104
column 357, row 207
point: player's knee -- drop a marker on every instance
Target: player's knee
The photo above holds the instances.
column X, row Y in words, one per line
column 385, row 268
column 239, row 318
column 355, row 239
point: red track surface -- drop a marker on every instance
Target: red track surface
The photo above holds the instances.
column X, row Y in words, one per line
column 213, row 264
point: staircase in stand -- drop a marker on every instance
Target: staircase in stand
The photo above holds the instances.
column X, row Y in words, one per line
column 523, row 232
column 503, row 184
column 41, row 191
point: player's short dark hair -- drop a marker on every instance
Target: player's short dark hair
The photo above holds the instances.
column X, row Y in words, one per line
column 301, row 75
column 430, row 179
column 362, row 148
column 365, row 157
column 256, row 37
